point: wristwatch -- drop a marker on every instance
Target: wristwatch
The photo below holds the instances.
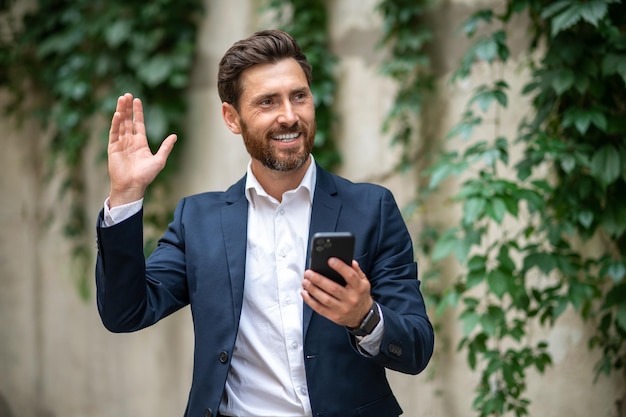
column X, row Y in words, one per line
column 369, row 323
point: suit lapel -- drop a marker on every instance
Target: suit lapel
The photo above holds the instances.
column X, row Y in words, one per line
column 324, row 216
column 234, row 229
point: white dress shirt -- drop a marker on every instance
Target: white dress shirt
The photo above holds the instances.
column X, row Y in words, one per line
column 267, row 368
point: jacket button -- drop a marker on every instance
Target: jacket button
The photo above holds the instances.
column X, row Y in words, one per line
column 223, row 356
column 395, row 350
column 208, row 413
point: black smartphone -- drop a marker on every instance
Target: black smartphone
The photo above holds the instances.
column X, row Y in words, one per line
column 325, row 245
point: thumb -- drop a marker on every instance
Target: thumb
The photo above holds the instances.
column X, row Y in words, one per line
column 166, row 147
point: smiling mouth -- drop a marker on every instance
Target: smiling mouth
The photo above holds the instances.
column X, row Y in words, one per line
column 287, row 137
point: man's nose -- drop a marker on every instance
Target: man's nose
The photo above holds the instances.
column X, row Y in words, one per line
column 287, row 115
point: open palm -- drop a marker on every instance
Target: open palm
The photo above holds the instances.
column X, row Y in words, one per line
column 132, row 166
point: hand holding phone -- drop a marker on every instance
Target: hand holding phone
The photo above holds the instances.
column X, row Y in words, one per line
column 326, row 245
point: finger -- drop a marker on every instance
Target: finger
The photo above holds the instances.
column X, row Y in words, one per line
column 114, row 132
column 344, row 270
column 127, row 113
column 322, row 283
column 116, row 121
column 357, row 268
column 308, row 298
column 139, row 126
column 311, row 301
column 121, row 104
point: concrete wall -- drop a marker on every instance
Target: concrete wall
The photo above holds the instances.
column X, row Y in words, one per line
column 56, row 359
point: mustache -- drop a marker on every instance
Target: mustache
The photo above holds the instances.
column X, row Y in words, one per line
column 295, row 128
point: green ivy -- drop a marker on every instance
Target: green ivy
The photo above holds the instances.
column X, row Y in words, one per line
column 406, row 35
column 69, row 61
column 307, row 21
column 523, row 241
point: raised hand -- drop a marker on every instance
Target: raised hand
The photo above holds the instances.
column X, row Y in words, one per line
column 132, row 166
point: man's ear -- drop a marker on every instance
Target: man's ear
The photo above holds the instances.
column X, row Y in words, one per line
column 231, row 118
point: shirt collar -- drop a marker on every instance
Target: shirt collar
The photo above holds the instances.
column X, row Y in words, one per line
column 253, row 187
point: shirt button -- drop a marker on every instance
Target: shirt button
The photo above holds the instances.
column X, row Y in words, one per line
column 288, row 301
column 282, row 212
column 294, row 345
column 303, row 390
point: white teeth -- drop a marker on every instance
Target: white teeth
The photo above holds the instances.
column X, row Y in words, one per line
column 286, row 137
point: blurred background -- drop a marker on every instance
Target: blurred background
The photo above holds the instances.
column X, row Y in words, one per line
column 498, row 125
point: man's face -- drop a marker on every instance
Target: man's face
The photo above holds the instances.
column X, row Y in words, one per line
column 276, row 115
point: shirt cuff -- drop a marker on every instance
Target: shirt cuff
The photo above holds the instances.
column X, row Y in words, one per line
column 115, row 215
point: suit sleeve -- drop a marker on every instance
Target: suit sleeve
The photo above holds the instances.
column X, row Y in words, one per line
column 408, row 338
column 131, row 295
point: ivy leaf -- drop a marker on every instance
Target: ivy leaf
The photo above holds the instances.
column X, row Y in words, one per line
column 496, row 208
column 477, row 271
column 445, row 244
column 477, row 263
column 617, row 270
column 450, row 299
column 511, row 203
column 156, row 70
column 485, row 97
column 613, row 63
column 473, row 209
column 497, row 281
column 470, row 319
column 117, row 32
column 466, row 126
column 606, row 164
column 567, row 13
column 563, row 81
column 463, row 246
column 567, row 163
column 444, row 170
column 585, row 218
column 554, row 8
column 506, row 263
column 594, row 11
column 492, row 320
column 578, row 293
column 471, row 25
column 544, row 261
column 564, row 20
column 582, row 118
column 486, row 49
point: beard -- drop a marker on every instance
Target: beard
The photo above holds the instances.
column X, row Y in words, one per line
column 259, row 146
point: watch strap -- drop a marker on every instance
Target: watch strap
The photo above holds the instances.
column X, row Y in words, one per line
column 369, row 323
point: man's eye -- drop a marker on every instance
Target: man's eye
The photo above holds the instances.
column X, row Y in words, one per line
column 265, row 102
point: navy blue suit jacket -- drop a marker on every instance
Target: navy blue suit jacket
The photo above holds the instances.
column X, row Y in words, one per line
column 200, row 261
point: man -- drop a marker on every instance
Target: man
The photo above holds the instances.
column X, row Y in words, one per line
column 271, row 337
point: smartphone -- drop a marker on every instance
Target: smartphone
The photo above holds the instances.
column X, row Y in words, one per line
column 325, row 245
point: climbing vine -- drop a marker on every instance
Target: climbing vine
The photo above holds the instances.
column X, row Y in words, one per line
column 66, row 63
column 553, row 237
column 307, row 21
column 406, row 35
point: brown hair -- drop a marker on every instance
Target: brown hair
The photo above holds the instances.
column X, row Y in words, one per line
column 264, row 47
